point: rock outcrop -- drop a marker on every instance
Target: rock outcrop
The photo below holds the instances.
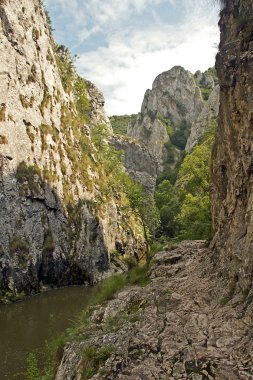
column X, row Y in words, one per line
column 59, row 217
column 232, row 192
column 200, row 126
column 174, row 328
column 172, row 105
column 139, row 163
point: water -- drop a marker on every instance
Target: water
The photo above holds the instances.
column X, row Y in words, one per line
column 25, row 326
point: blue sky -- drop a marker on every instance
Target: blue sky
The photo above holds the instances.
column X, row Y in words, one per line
column 124, row 44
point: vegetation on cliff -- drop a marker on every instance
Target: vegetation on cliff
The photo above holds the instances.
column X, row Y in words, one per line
column 120, row 123
column 185, row 207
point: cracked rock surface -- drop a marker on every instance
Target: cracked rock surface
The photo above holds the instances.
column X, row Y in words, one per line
column 176, row 327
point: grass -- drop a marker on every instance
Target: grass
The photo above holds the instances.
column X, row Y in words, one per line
column 48, row 244
column 120, row 123
column 26, row 103
column 35, row 34
column 92, row 357
column 20, row 248
column 17, row 244
column 28, row 177
column 30, row 134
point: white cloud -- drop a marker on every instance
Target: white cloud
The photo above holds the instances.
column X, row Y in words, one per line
column 133, row 53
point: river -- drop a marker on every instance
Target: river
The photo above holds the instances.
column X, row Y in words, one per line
column 26, row 325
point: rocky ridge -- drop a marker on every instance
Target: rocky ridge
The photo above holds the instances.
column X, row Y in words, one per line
column 180, row 326
column 58, row 224
column 173, row 118
column 175, row 99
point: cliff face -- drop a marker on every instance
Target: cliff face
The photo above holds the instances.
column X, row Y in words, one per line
column 60, row 214
column 232, row 158
column 170, row 107
column 139, row 163
column 200, row 126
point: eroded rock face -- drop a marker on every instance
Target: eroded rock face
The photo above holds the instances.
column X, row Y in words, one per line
column 174, row 328
column 232, row 195
column 139, row 163
column 175, row 98
column 52, row 230
column 200, row 126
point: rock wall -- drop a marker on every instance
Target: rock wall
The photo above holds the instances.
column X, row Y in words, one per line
column 139, row 163
column 232, row 193
column 60, row 214
column 173, row 104
column 200, row 126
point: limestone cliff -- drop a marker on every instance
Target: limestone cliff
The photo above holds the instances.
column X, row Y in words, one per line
column 200, row 126
column 139, row 163
column 61, row 210
column 232, row 195
column 167, row 112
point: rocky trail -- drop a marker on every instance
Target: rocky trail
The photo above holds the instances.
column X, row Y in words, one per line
column 179, row 326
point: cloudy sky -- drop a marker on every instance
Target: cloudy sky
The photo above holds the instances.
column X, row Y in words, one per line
column 124, row 44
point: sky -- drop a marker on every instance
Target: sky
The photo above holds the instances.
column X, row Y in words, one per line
column 122, row 45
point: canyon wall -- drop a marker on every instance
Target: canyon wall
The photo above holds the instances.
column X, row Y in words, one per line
column 232, row 169
column 62, row 212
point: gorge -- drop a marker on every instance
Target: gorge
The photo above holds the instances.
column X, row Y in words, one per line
column 68, row 212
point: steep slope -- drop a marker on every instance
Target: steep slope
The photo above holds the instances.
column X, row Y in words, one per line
column 61, row 206
column 209, row 112
column 167, row 112
column 232, row 158
column 174, row 328
column 138, row 162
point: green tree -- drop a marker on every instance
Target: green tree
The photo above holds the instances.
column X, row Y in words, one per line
column 194, row 219
column 145, row 209
column 185, row 208
column 167, row 202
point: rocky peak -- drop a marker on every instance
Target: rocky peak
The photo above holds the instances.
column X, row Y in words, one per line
column 172, row 105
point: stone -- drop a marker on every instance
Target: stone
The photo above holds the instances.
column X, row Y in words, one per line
column 173, row 337
column 53, row 232
column 175, row 99
column 200, row 126
column 232, row 167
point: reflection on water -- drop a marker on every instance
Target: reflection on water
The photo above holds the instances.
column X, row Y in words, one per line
column 25, row 326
